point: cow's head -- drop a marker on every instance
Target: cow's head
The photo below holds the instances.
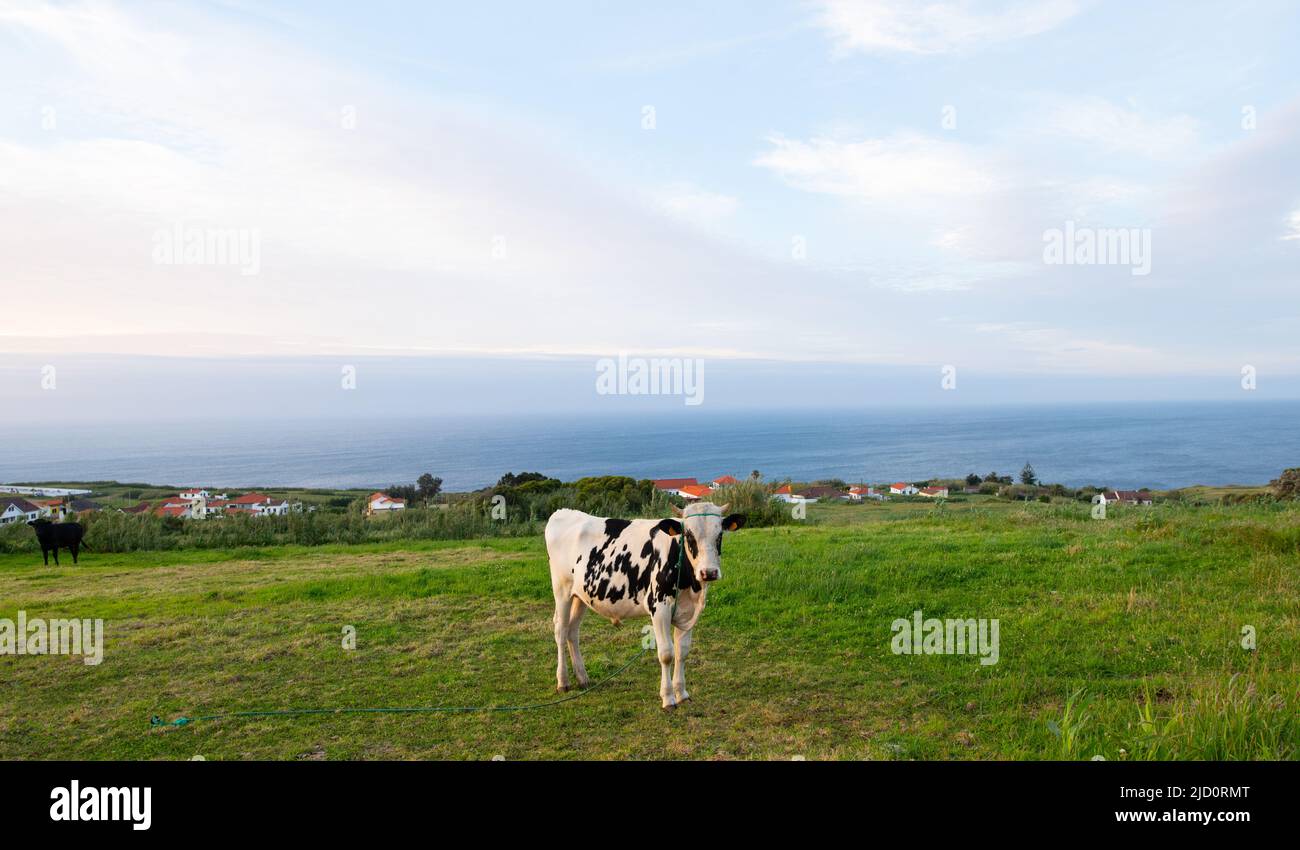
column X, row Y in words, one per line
column 38, row 524
column 701, row 526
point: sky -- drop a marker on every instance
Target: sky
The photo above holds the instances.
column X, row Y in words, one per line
column 792, row 188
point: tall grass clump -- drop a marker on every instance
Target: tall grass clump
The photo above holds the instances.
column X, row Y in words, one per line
column 1218, row 721
column 751, row 498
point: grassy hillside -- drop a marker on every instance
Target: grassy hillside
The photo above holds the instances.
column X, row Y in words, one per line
column 1139, row 615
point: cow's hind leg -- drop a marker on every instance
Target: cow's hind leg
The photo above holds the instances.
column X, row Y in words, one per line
column 56, row 556
column 74, row 547
column 576, row 611
column 561, row 638
column 663, row 640
column 681, row 646
column 45, row 555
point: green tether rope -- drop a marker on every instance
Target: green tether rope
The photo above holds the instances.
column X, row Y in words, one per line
column 442, row 709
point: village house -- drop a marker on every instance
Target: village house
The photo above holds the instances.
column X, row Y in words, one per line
column 383, row 503
column 784, row 493
column 51, row 509
column 193, row 505
column 860, row 492
column 902, row 488
column 259, row 504
column 673, row 486
column 1125, row 497
column 16, row 509
column 177, row 508
column 723, row 481
column 933, row 492
column 692, row 492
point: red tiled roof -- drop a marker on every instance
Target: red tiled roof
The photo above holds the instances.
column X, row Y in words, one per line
column 172, row 510
column 250, row 499
column 374, row 497
column 783, row 491
column 699, row 491
column 900, row 485
column 725, row 479
column 673, row 483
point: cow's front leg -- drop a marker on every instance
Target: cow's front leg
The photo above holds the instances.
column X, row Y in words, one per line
column 664, row 643
column 681, row 646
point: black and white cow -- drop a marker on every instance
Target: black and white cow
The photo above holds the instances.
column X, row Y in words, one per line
column 625, row 568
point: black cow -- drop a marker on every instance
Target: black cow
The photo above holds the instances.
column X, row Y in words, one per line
column 53, row 535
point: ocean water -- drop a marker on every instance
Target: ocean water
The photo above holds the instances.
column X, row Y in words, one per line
column 1125, row 445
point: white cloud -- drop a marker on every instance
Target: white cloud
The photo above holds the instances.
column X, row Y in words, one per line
column 896, row 169
column 379, row 235
column 902, row 26
column 1116, row 129
column 1293, row 227
column 690, row 203
column 916, row 193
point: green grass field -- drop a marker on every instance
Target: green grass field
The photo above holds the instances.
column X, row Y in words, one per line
column 1138, row 616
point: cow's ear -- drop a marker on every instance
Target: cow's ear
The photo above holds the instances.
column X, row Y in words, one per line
column 671, row 527
column 733, row 522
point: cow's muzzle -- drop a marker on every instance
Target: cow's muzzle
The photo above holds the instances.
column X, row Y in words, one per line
column 712, row 574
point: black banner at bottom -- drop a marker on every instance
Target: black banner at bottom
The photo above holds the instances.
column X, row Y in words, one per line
column 210, row 799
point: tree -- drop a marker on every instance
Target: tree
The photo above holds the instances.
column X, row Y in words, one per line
column 428, row 487
column 973, row 480
column 1287, row 485
column 401, row 491
column 755, row 475
column 1028, row 476
column 992, row 476
column 512, row 480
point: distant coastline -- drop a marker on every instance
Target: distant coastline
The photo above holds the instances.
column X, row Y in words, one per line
column 1159, row 446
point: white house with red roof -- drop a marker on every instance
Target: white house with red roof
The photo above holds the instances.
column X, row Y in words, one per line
column 858, row 493
column 691, row 492
column 384, row 503
column 175, row 506
column 673, row 486
column 902, row 488
column 252, row 504
column 933, row 492
column 723, row 481
column 785, row 493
